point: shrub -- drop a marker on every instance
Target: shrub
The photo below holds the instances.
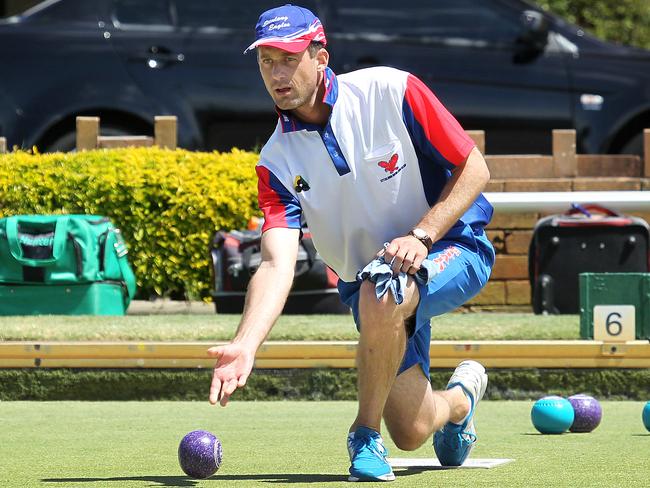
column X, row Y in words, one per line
column 167, row 203
column 622, row 21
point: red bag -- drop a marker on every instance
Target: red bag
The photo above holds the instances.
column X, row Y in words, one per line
column 585, row 239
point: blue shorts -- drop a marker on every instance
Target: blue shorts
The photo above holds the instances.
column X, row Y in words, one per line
column 467, row 257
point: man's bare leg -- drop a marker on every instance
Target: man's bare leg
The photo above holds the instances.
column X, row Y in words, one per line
column 414, row 411
column 411, row 409
column 380, row 351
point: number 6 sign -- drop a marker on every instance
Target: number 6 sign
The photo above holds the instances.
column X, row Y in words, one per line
column 614, row 323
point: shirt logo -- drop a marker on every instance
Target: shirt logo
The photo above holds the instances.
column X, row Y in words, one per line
column 299, row 184
column 389, row 166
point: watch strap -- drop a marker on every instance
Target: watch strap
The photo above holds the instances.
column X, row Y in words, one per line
column 425, row 239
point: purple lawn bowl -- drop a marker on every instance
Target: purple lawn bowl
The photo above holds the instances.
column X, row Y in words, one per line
column 199, row 454
column 588, row 413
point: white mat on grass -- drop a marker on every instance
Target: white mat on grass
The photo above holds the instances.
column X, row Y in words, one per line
column 433, row 463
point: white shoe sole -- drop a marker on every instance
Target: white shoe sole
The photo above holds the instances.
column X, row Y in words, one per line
column 383, row 477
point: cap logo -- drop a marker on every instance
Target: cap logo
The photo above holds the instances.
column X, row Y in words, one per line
column 271, row 23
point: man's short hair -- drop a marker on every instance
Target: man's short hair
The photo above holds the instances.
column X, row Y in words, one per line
column 314, row 47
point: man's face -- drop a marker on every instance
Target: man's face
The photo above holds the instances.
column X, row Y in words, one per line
column 291, row 79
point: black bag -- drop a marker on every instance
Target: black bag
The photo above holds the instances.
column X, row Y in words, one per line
column 236, row 255
column 586, row 239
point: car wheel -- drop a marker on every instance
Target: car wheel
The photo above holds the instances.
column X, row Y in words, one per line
column 68, row 141
column 634, row 145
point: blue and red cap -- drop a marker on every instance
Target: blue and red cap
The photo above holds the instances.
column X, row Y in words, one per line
column 290, row 28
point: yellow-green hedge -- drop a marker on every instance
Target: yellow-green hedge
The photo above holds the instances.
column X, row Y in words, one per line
column 167, row 203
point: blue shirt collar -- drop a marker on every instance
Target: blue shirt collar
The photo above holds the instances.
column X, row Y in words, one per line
column 291, row 123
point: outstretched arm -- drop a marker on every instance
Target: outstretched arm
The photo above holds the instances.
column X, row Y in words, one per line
column 265, row 298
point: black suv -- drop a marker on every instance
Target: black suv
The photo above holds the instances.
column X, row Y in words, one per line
column 499, row 65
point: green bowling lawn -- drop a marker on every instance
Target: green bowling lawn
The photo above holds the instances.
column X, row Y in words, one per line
column 207, row 327
column 295, row 444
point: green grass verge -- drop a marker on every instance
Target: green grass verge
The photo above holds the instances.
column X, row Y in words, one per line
column 298, row 444
column 456, row 326
column 301, row 384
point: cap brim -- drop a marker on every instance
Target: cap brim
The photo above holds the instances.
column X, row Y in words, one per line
column 291, row 46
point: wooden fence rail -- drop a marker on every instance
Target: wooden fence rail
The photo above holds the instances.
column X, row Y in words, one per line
column 88, row 135
column 323, row 354
column 565, row 162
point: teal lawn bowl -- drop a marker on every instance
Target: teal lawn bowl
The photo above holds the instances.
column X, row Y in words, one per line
column 552, row 415
column 645, row 416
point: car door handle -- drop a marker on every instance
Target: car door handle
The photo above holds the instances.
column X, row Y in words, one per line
column 158, row 57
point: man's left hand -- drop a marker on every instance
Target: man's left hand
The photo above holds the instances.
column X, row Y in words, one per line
column 406, row 254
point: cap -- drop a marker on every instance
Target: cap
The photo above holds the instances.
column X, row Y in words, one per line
column 290, row 28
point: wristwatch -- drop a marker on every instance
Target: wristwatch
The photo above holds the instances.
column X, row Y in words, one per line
column 423, row 237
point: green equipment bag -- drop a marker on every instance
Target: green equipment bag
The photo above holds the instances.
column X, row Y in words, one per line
column 63, row 264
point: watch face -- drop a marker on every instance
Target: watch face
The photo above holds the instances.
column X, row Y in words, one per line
column 419, row 233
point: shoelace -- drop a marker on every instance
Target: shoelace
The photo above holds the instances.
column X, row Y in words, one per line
column 373, row 446
column 458, row 438
column 471, row 436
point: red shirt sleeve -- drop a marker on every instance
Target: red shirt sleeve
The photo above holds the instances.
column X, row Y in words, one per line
column 279, row 206
column 434, row 131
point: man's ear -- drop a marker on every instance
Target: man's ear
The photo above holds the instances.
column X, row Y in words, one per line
column 322, row 58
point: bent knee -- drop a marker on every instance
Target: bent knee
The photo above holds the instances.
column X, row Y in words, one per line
column 411, row 440
column 368, row 299
column 386, row 305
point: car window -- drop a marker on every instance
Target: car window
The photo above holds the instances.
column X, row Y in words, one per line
column 240, row 15
column 70, row 11
column 142, row 12
column 461, row 19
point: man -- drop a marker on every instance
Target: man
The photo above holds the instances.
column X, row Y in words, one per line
column 368, row 158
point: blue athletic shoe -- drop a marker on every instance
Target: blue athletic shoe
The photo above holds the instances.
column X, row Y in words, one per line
column 454, row 442
column 368, row 456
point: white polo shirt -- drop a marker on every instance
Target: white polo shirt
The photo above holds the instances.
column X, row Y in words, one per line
column 371, row 173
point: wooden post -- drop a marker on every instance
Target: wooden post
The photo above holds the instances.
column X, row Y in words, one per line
column 478, row 136
column 646, row 153
column 165, row 131
column 565, row 162
column 87, row 133
column 3, row 145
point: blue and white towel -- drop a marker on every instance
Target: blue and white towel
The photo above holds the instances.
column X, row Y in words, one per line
column 378, row 271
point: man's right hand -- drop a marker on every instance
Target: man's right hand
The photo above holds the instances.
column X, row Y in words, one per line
column 266, row 295
column 234, row 365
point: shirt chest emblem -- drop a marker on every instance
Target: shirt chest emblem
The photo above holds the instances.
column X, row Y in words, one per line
column 391, row 167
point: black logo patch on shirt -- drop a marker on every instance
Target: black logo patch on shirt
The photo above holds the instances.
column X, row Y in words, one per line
column 300, row 184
